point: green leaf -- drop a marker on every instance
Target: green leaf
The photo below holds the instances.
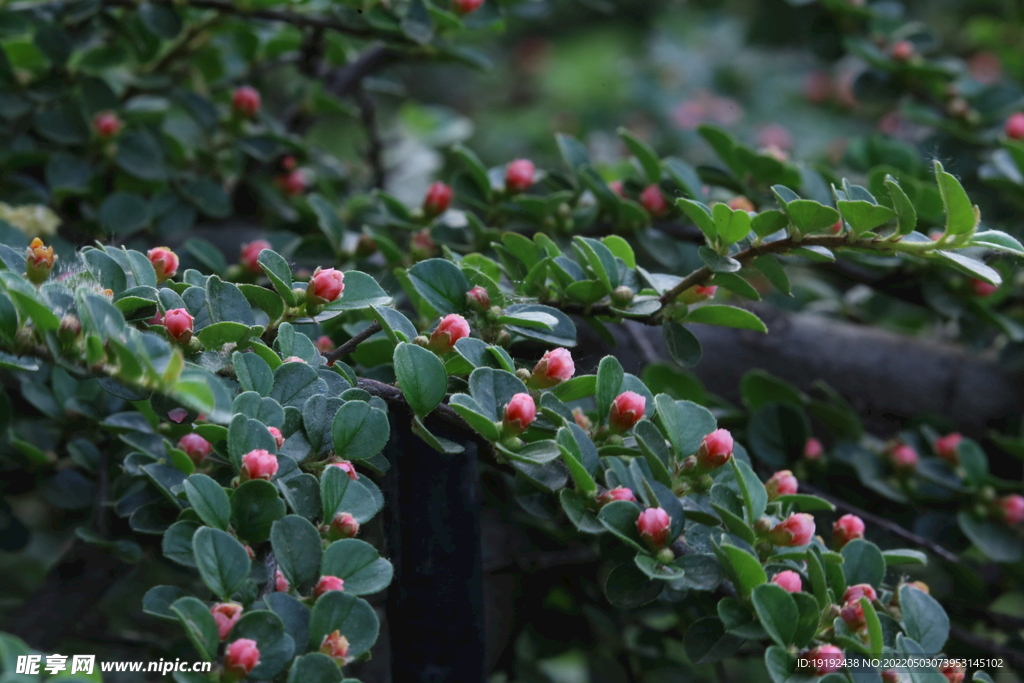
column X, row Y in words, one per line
column 225, row 302
column 253, row 373
column 200, row 626
column 726, row 316
column 906, row 214
column 214, row 337
column 297, row 548
column 123, row 212
column 222, row 561
column 315, row 668
column 777, row 612
column 339, row 611
column 275, row 646
column 732, row 225
column 863, row 216
column 470, row 411
column 357, row 562
column 755, row 497
column 493, row 389
column 139, row 154
column 477, row 171
column 620, row 517
column 328, row 219
column 874, row 625
column 998, row 240
column 904, row 556
column 707, row 642
column 925, row 620
column 359, row 430
column 208, row 196
column 294, row 383
column 644, row 154
column 961, row 216
column 805, row 502
column 863, row 563
column 769, row 222
column 996, row 541
column 421, row 376
column 279, row 272
column 684, row 423
column 255, row 506
column 573, row 152
column 441, row 283
column 177, row 543
column 609, row 382
column 746, row 569
column 777, row 433
column 209, row 500
column 701, row 217
column 781, row 664
column 627, row 587
column 809, row 216
column 682, row 345
column 106, row 270
column 563, row 334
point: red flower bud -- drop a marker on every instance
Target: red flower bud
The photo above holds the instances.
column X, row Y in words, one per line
column 39, row 261
column 465, row 7
column 953, row 673
column 346, row 467
column 627, row 409
column 324, row 344
column 251, row 254
column 554, row 367
column 982, row 288
column 853, row 614
column 226, row 614
column 327, row 584
column 824, row 659
column 195, row 447
column 903, row 457
column 343, row 525
column 478, row 299
column 451, row 329
column 292, row 183
column 519, row 175
column 715, row 450
column 837, row 227
column 241, row 657
column 890, row 676
column 789, row 580
column 278, row 436
column 902, row 50
column 1012, row 508
column 616, row 187
column 947, row 447
column 246, row 101
column 782, row 483
column 335, row 646
column 106, row 124
column 519, row 414
column 654, row 526
column 1014, row 128
column 422, row 244
column 281, row 584
column 325, row 286
column 439, row 197
column 813, row 449
column 618, row 493
column 653, row 200
column 795, row 530
column 258, row 464
column 178, row 323
column 860, row 590
column 165, row 262
column 846, row 529
column 581, row 419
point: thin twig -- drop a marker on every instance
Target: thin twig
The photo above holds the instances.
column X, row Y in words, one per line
column 882, row 522
column 350, row 346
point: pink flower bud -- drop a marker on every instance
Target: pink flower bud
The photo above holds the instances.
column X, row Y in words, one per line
column 902, row 50
column 451, row 329
column 813, row 449
column 795, row 530
column 1014, row 128
column 846, row 529
column 1012, row 508
column 246, row 101
column 890, row 676
column 165, row 262
column 251, row 254
column 343, row 525
column 618, row 493
column 422, row 244
column 39, row 261
column 293, row 359
column 281, row 584
column 519, row 175
column 947, row 447
column 903, row 457
column 195, row 447
column 715, row 450
column 616, row 187
column 175, row 415
column 519, row 414
column 824, row 659
column 438, row 199
column 554, row 367
column 335, row 646
column 741, row 203
column 853, row 614
column 837, row 227
column 178, row 324
column 226, row 614
column 465, row 7
column 982, row 288
column 106, row 124
column 324, row 344
column 346, row 467
column 325, row 286
column 653, row 200
column 789, row 580
column 278, row 436
column 241, row 657
column 705, row 293
column 258, row 464
column 860, row 590
column 327, row 584
column 782, row 483
column 292, row 183
column 953, row 673
column 627, row 409
column 478, row 299
column 654, row 526
column 581, row 419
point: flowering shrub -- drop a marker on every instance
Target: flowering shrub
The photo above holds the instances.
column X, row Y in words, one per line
column 244, row 410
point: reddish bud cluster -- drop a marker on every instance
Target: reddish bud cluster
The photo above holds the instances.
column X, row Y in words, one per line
column 438, row 199
column 795, row 530
column 654, row 525
column 519, row 414
column 164, row 261
column 782, row 483
column 846, row 529
column 195, row 447
column 451, row 329
column 179, row 325
column 246, row 101
column 627, row 409
column 554, row 367
column 715, row 450
column 258, row 464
